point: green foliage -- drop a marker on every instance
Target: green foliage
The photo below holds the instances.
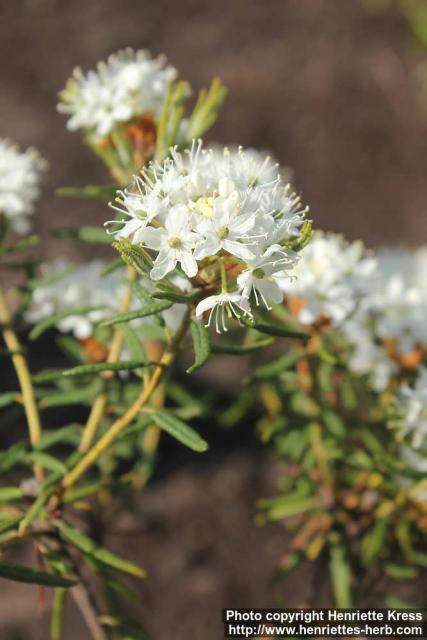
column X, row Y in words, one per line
column 340, row 574
column 151, row 309
column 201, row 345
column 171, row 118
column 180, row 431
column 18, row 573
column 278, row 330
column 96, row 192
column 205, row 112
column 86, row 545
column 85, row 369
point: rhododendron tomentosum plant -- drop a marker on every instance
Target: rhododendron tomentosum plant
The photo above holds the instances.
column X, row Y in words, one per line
column 202, row 234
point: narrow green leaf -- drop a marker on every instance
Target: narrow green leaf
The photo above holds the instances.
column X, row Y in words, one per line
column 126, row 365
column 8, row 398
column 9, row 523
column 57, row 617
column 73, row 396
column 201, row 345
column 241, row 349
column 143, row 295
column 182, row 397
column 206, row 110
column 47, row 461
column 18, row 573
column 88, row 546
column 238, row 409
column 176, row 296
column 373, row 541
column 46, row 375
column 25, row 243
column 97, row 192
column 10, row 493
column 70, row 347
column 69, row 434
column 340, row 575
column 274, row 368
column 290, row 505
column 47, row 323
column 148, row 310
column 334, row 423
column 419, row 558
column 180, row 431
column 117, row 586
column 400, row 572
column 90, row 235
column 35, row 509
column 281, row 331
column 170, row 118
column 135, row 346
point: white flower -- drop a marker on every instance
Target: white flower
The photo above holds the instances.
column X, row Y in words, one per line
column 411, row 405
column 175, row 243
column 222, row 305
column 368, row 356
column 264, row 275
column 200, row 208
column 400, row 301
column 401, row 313
column 331, row 278
column 20, row 175
column 129, row 84
column 245, row 167
column 225, row 229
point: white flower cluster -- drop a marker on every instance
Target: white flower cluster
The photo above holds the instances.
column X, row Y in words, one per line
column 391, row 324
column 129, row 84
column 411, row 405
column 377, row 302
column 68, row 287
column 331, row 279
column 401, row 301
column 227, row 209
column 20, row 176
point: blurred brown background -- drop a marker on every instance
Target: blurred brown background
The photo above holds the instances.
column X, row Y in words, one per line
column 325, row 84
column 330, row 89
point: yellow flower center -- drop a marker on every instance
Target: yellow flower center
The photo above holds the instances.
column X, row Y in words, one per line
column 222, row 233
column 175, row 243
column 203, row 206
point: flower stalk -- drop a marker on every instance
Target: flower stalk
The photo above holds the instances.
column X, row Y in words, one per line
column 24, row 377
column 117, row 427
column 100, row 402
